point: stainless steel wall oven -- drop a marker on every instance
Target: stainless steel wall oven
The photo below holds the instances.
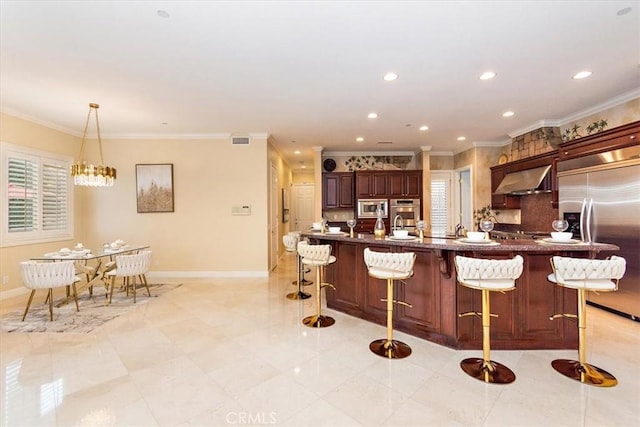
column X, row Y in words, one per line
column 407, row 209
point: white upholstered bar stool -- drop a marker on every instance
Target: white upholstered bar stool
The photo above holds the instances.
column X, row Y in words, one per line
column 390, row 266
column 318, row 256
column 48, row 275
column 487, row 275
column 291, row 245
column 131, row 267
column 598, row 275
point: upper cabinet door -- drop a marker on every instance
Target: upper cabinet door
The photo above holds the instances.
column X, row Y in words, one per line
column 330, row 191
column 346, row 187
column 371, row 185
column 337, row 190
column 406, row 184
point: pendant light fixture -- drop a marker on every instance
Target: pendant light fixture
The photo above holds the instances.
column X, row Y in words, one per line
column 88, row 175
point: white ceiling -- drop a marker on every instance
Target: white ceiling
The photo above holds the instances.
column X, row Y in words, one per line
column 310, row 72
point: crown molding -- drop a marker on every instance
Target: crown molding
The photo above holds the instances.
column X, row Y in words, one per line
column 490, row 143
column 369, row 153
column 20, row 115
column 614, row 102
column 611, row 103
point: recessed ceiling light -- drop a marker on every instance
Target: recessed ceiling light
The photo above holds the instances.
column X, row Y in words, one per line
column 389, row 77
column 623, row 11
column 582, row 75
column 296, row 152
column 488, row 75
column 372, row 116
column 163, row 13
column 424, row 127
column 461, row 138
column 359, row 139
column 508, row 114
column 304, row 167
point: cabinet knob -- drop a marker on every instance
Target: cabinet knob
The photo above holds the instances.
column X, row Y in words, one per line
column 632, row 137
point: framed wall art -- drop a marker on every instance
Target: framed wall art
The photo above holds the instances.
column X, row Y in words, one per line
column 154, row 187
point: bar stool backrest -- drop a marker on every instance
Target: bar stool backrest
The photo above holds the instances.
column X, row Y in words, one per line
column 45, row 275
column 133, row 265
column 401, row 262
column 488, row 269
column 581, row 269
column 316, row 253
column 290, row 241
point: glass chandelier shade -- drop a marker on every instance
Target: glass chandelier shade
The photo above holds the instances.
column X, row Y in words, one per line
column 89, row 175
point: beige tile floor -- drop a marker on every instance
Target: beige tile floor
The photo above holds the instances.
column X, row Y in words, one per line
column 234, row 352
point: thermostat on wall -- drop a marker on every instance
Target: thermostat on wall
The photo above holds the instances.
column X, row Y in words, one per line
column 241, row 210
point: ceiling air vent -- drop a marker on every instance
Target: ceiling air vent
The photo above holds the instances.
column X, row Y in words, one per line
column 240, row 140
column 385, row 142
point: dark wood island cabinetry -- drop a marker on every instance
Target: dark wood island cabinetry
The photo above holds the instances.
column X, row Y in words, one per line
column 523, row 321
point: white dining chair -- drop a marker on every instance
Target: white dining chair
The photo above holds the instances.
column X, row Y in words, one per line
column 48, row 275
column 131, row 267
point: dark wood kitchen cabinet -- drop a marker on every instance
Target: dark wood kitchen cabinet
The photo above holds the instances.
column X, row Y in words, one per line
column 612, row 139
column 372, row 185
column 501, row 201
column 407, row 184
column 337, row 190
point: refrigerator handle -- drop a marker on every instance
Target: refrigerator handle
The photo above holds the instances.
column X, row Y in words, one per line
column 588, row 220
column 583, row 217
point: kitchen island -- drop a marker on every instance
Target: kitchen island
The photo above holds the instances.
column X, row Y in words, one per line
column 436, row 298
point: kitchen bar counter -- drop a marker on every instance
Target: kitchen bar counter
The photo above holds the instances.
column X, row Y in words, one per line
column 523, row 321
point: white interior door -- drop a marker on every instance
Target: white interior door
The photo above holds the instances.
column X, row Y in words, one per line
column 274, row 218
column 302, row 206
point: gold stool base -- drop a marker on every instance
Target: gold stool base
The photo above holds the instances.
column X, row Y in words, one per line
column 393, row 349
column 298, row 295
column 318, row 321
column 476, row 368
column 304, row 282
column 586, row 374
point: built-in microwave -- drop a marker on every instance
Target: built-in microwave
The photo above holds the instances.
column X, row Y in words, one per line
column 368, row 208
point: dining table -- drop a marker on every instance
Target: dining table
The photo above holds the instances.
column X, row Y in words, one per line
column 94, row 274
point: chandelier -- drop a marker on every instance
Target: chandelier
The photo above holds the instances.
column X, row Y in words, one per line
column 88, row 175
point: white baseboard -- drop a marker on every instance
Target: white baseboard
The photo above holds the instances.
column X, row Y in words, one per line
column 13, row 293
column 207, row 274
column 169, row 275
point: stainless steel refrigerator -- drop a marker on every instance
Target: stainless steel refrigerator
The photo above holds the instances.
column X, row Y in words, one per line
column 599, row 195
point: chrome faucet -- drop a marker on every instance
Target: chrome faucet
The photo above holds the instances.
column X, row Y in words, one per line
column 395, row 224
column 459, row 230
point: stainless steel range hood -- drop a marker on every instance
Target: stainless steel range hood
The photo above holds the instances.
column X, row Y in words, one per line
column 524, row 182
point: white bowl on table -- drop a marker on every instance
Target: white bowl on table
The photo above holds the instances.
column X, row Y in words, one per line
column 401, row 233
column 561, row 235
column 475, row 235
column 334, row 230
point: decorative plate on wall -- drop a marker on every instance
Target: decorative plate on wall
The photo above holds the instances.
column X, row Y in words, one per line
column 329, row 165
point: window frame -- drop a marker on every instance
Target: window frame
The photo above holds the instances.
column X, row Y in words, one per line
column 42, row 157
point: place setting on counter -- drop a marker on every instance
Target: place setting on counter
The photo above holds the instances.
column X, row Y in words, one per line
column 479, row 237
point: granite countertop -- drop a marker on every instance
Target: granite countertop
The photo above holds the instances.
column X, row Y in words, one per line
column 454, row 244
